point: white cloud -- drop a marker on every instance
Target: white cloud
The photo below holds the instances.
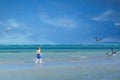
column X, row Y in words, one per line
column 58, row 21
column 19, row 27
column 117, row 23
column 14, row 39
column 108, row 15
column 22, row 34
column 104, row 16
column 114, row 40
column 13, row 23
column 22, row 39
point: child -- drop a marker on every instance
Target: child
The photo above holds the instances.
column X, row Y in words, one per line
column 39, row 55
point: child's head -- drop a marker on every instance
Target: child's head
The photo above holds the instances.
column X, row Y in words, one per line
column 38, row 47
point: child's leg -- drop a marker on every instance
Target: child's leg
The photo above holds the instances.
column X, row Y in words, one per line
column 37, row 60
column 40, row 61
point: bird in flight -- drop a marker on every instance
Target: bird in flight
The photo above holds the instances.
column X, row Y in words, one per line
column 114, row 52
column 7, row 28
column 109, row 55
column 97, row 39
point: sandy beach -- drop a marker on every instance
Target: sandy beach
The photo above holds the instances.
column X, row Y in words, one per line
column 62, row 64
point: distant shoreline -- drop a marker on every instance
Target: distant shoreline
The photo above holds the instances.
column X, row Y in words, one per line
column 57, row 44
column 60, row 46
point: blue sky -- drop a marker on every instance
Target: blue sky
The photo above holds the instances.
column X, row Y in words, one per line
column 59, row 21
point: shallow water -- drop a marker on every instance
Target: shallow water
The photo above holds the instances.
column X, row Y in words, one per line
column 59, row 64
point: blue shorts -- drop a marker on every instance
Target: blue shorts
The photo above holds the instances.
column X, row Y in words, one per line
column 39, row 56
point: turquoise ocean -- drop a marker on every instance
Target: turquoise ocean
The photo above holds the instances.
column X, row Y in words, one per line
column 60, row 62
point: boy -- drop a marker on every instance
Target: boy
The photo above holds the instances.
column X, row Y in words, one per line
column 39, row 55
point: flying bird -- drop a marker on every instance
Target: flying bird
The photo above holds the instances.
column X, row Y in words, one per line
column 98, row 40
column 7, row 28
column 114, row 52
column 109, row 55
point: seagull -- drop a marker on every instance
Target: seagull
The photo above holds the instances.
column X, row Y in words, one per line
column 114, row 52
column 7, row 28
column 98, row 40
column 109, row 55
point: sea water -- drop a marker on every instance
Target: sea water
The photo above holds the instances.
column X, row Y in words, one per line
column 60, row 62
